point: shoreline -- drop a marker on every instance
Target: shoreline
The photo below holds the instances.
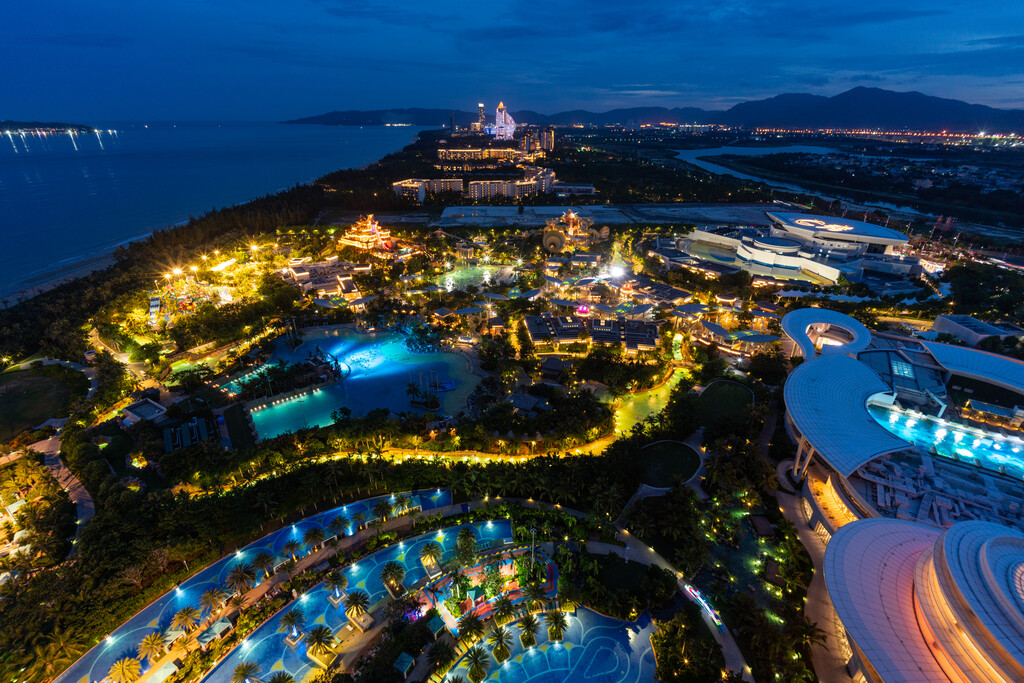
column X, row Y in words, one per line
column 101, row 257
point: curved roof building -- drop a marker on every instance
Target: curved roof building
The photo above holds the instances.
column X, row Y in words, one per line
column 833, row 332
column 827, row 406
column 922, row 605
column 829, row 230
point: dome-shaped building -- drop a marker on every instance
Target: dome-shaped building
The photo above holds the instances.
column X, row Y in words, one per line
column 920, row 604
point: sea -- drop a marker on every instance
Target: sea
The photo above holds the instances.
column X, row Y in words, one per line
column 66, row 200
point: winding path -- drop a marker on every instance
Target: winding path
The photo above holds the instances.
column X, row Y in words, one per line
column 85, row 508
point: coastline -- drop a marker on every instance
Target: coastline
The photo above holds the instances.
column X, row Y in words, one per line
column 100, row 256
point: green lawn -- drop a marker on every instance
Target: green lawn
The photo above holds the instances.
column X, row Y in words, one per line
column 27, row 399
column 666, row 462
column 725, row 401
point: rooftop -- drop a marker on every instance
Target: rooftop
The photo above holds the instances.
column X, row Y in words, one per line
column 826, row 398
column 840, row 228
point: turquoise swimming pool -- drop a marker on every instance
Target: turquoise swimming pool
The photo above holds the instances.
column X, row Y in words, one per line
column 478, row 276
column 995, row 452
column 381, row 370
column 595, row 648
column 155, row 617
column 266, row 645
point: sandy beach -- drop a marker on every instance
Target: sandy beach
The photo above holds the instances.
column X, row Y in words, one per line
column 48, row 280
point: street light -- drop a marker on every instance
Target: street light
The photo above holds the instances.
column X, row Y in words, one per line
column 177, row 271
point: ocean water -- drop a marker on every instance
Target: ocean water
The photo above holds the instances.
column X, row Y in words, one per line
column 66, row 199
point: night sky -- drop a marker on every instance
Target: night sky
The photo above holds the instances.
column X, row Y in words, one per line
column 107, row 60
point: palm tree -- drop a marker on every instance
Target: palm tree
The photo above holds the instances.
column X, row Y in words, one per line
column 440, row 655
column 125, row 670
column 292, row 622
column 186, row 618
column 431, row 552
column 338, row 526
column 320, row 640
column 336, row 582
column 280, row 677
column 535, row 594
column 246, row 669
column 358, row 519
column 503, row 608
column 263, row 562
column 402, row 503
column 392, row 574
column 465, row 546
column 236, row 602
column 241, row 578
column 501, row 641
column 478, row 662
column 313, row 537
column 292, row 548
column 528, row 630
column 470, row 626
column 382, row 509
column 212, row 599
column 357, row 602
column 456, row 679
column 557, row 623
column 59, row 651
column 806, row 633
column 151, row 647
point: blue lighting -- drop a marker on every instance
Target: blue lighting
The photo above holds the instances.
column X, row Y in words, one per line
column 950, row 440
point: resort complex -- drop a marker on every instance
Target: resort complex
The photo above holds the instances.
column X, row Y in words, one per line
column 351, row 434
column 911, row 470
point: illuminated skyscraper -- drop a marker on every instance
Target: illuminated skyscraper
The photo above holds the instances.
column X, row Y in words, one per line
column 547, row 139
column 481, row 116
column 504, row 125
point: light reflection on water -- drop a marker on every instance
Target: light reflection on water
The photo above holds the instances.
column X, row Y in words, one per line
column 989, row 450
column 381, row 369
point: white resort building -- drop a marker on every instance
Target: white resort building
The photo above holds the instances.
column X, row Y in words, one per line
column 918, row 493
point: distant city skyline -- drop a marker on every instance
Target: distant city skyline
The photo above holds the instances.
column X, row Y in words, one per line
column 222, row 60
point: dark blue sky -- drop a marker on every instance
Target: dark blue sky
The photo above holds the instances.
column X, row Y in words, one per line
column 103, row 60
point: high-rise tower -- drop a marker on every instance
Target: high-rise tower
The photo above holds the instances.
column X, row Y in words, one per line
column 504, row 125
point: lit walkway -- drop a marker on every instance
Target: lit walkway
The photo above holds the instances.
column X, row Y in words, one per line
column 829, row 664
column 85, row 508
column 638, row 551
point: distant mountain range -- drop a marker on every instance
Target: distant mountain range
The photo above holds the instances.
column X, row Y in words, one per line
column 857, row 108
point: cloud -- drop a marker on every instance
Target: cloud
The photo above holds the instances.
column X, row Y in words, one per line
column 865, row 78
column 812, row 79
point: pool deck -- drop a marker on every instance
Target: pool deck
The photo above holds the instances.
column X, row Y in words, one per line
column 594, row 647
column 156, row 616
column 267, row 645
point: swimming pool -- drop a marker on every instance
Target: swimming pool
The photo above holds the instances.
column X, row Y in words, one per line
column 464, row 276
column 595, row 648
column 381, row 370
column 991, row 451
column 124, row 641
column 266, row 645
